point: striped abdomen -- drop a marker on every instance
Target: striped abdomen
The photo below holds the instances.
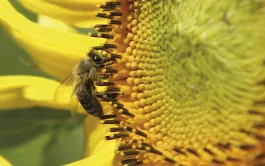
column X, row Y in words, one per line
column 91, row 104
column 88, row 101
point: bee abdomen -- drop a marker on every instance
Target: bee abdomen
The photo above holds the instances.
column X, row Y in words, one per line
column 91, row 104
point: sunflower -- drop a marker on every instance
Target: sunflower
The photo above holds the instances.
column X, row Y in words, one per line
column 185, row 79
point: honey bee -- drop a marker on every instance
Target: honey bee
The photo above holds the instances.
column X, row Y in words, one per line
column 83, row 77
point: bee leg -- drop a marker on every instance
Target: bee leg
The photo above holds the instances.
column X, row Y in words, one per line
column 110, row 95
column 107, row 97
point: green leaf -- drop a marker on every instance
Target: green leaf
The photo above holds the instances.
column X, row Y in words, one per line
column 63, row 147
column 40, row 137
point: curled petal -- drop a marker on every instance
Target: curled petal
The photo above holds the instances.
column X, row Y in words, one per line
column 55, row 52
column 98, row 151
column 69, row 11
column 30, row 91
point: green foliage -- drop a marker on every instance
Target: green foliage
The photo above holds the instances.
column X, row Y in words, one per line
column 40, row 137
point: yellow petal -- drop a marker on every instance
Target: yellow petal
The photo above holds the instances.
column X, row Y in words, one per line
column 30, row 91
column 98, row 151
column 55, row 52
column 49, row 22
column 94, row 134
column 69, row 11
column 4, row 162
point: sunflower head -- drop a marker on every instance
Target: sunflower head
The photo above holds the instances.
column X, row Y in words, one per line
column 187, row 78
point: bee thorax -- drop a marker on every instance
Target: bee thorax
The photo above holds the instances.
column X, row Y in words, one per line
column 84, row 67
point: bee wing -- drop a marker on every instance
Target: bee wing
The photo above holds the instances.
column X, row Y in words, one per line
column 74, row 102
column 65, row 91
column 64, row 88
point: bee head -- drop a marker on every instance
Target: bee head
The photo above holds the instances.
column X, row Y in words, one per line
column 96, row 57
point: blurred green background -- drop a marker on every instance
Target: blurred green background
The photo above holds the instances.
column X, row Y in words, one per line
column 37, row 136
